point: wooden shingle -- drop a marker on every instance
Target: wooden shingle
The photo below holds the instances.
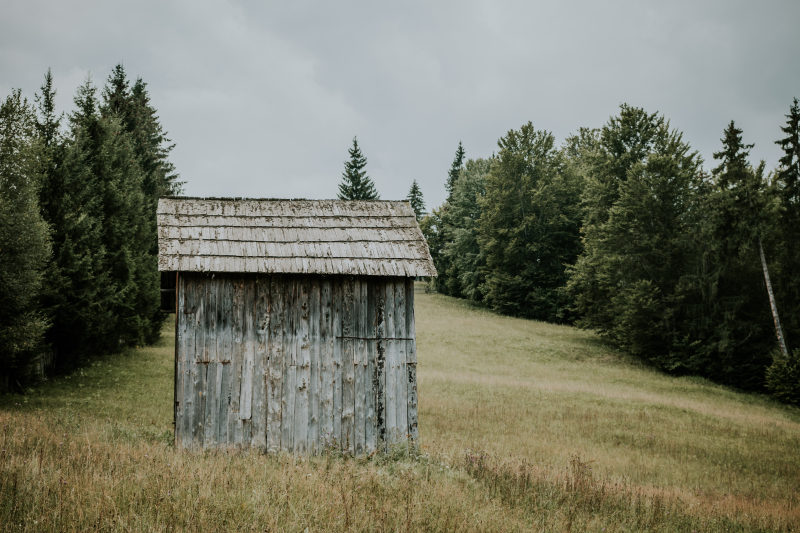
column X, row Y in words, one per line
column 366, row 238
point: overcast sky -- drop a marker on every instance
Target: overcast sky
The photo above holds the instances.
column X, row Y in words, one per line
column 264, row 101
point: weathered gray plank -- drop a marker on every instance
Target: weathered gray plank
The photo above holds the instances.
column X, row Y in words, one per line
column 348, row 370
column 303, row 368
column 181, row 356
column 248, row 363
column 290, row 372
column 276, row 363
column 338, row 347
column 190, row 366
column 401, row 374
column 314, row 383
column 371, row 375
column 411, row 363
column 360, row 364
column 326, row 357
column 237, row 359
column 225, row 348
column 380, row 364
column 391, row 366
column 261, row 331
column 248, row 351
column 211, row 409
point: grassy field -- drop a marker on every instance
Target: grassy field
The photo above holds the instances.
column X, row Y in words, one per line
column 524, row 426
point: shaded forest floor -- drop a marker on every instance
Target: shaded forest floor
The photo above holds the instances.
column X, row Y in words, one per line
column 523, row 425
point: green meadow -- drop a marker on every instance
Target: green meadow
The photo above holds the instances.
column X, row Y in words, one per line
column 524, row 426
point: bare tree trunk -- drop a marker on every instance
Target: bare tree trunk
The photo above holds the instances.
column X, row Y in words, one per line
column 773, row 306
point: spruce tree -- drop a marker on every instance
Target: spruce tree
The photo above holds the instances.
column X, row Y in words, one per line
column 151, row 169
column 741, row 335
column 415, row 199
column 24, row 239
column 787, row 184
column 79, row 286
column 455, row 169
column 356, row 184
column 463, row 272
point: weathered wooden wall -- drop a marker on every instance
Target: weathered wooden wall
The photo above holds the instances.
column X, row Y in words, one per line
column 295, row 363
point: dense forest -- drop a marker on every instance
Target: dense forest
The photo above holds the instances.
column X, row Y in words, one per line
column 78, row 195
column 621, row 230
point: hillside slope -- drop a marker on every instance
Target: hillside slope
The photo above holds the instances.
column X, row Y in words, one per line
column 524, row 426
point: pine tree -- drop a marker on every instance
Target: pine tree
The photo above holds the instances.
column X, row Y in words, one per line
column 355, row 184
column 455, row 169
column 415, row 199
column 24, row 240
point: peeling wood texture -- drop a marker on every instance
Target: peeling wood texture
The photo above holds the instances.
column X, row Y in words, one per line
column 364, row 238
column 295, row 363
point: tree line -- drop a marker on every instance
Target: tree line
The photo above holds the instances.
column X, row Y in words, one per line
column 621, row 230
column 78, row 196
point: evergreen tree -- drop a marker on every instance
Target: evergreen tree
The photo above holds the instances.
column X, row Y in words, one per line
column 463, row 271
column 741, row 335
column 24, row 240
column 156, row 177
column 355, row 184
column 783, row 375
column 415, row 199
column 633, row 280
column 529, row 226
column 455, row 169
column 78, row 285
column 787, row 183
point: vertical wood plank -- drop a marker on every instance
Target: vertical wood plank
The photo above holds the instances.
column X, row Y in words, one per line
column 371, row 375
column 411, row 363
column 338, row 345
column 276, row 364
column 248, row 360
column 181, row 359
column 401, row 375
column 237, row 309
column 175, row 375
column 189, row 364
column 260, row 381
column 248, row 350
column 225, row 347
column 360, row 364
column 380, row 363
column 290, row 372
column 391, row 366
column 348, row 382
column 314, row 383
column 211, row 397
column 327, row 340
column 303, row 368
column 200, row 366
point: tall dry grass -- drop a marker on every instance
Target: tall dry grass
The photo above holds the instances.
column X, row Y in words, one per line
column 525, row 426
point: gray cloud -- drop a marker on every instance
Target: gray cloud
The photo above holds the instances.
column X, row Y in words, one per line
column 264, row 100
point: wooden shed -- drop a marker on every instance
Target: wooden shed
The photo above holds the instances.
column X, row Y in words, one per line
column 294, row 321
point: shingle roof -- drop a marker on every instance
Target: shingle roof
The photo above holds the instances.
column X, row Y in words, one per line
column 370, row 238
